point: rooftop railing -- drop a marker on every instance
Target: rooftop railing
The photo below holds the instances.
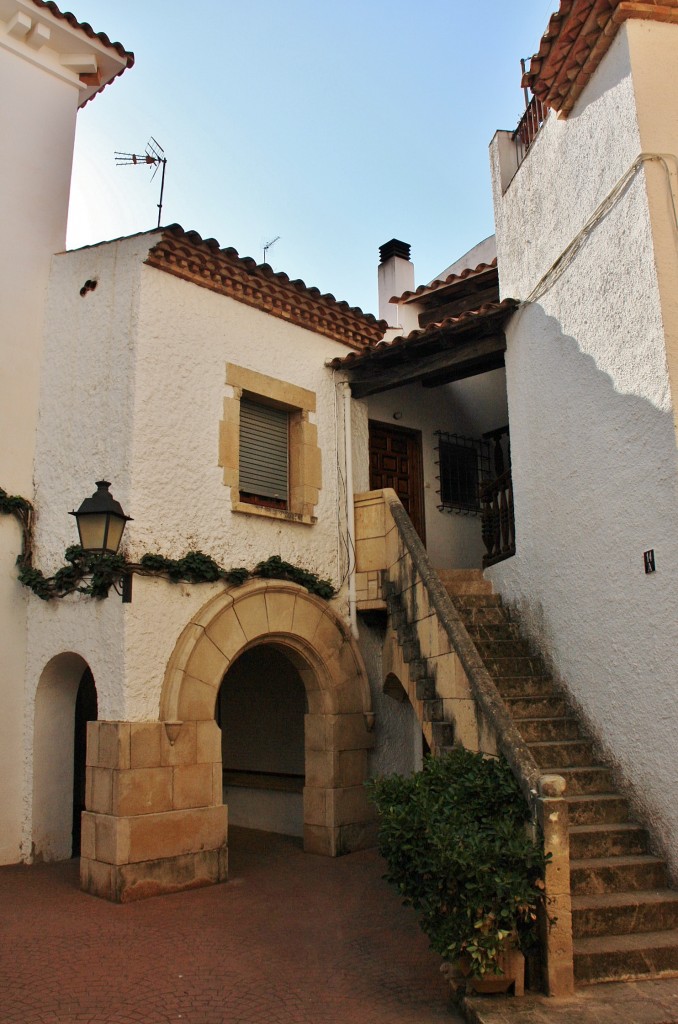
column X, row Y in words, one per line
column 528, row 126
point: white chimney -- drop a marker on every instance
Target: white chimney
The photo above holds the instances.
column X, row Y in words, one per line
column 395, row 276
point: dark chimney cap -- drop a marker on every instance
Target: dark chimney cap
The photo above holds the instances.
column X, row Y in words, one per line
column 394, row 248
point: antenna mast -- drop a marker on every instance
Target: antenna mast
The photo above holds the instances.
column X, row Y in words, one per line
column 270, row 244
column 154, row 156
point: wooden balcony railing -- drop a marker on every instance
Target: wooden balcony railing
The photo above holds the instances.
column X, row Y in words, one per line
column 498, row 525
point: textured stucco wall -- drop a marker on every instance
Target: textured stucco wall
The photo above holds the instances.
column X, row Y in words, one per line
column 37, row 117
column 468, row 407
column 594, row 460
column 132, row 390
column 652, row 48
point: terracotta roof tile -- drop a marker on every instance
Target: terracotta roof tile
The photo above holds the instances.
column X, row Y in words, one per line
column 577, row 38
column 200, row 260
column 485, row 314
column 427, row 289
column 83, row 26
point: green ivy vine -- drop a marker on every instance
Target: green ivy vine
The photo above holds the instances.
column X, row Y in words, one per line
column 94, row 575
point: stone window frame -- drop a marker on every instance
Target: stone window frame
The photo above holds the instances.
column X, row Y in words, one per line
column 305, row 472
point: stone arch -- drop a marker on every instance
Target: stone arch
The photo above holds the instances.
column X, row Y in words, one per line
column 53, row 737
column 338, row 726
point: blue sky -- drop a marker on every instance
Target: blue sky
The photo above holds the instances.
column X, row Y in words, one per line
column 335, row 125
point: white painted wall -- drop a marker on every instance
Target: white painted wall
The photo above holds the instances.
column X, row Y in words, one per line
column 468, row 407
column 594, row 459
column 37, row 127
column 132, row 390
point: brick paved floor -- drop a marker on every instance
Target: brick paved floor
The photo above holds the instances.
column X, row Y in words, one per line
column 632, row 1002
column 290, row 939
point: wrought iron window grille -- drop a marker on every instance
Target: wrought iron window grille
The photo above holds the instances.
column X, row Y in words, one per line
column 464, row 466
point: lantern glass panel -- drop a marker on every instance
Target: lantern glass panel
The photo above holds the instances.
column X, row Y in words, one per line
column 92, row 530
column 115, row 528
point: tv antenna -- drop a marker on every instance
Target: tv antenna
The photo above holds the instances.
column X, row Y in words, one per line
column 270, row 244
column 154, row 156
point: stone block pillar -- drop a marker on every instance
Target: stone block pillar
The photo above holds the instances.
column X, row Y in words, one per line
column 155, row 821
column 338, row 817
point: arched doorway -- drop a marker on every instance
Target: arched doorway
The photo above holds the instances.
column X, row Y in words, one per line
column 63, row 679
column 337, row 816
column 260, row 710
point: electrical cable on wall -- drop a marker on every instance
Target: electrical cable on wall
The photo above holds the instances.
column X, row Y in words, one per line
column 566, row 257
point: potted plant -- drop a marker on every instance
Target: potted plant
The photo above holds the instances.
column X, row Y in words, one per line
column 458, row 849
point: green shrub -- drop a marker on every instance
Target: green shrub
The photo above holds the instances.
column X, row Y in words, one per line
column 457, row 848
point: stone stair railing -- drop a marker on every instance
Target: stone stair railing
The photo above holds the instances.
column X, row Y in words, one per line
column 455, row 697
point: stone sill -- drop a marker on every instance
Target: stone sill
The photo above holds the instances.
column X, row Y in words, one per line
column 371, row 606
column 274, row 513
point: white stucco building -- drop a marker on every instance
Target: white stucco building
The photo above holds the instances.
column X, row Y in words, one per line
column 50, row 65
column 522, row 408
column 586, row 240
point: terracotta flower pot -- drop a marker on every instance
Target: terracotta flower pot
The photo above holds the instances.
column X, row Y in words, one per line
column 511, row 962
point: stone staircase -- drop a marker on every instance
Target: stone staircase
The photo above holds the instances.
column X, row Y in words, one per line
column 624, row 915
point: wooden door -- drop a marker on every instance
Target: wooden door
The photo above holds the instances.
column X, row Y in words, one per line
column 396, row 461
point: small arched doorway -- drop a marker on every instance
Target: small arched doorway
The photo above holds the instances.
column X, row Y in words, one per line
column 65, row 700
column 260, row 710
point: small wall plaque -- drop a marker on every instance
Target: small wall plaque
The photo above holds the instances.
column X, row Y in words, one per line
column 648, row 560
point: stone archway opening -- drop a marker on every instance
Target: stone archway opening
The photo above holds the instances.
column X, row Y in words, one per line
column 156, row 821
column 65, row 700
column 260, row 709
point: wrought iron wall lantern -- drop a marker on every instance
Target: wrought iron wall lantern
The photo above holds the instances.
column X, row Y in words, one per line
column 101, row 523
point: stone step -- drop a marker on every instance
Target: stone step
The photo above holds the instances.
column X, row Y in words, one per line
column 526, row 666
column 425, row 688
column 466, row 588
column 618, row 913
column 482, row 615
column 493, row 631
column 417, row 669
column 592, row 808
column 607, row 839
column 472, row 602
column 443, row 734
column 588, row 779
column 617, row 874
column 525, row 686
column 564, row 754
column 626, row 957
column 432, row 711
column 460, row 574
column 410, row 650
column 536, row 707
column 545, row 730
column 511, row 648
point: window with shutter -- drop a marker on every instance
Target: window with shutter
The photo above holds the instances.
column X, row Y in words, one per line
column 268, row 447
column 264, row 455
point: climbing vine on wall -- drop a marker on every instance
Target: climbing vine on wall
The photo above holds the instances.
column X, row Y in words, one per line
column 94, row 574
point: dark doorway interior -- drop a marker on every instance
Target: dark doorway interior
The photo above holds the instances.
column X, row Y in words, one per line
column 85, row 711
column 260, row 710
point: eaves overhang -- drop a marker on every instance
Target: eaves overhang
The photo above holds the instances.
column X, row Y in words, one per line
column 457, row 347
column 471, row 274
column 578, row 36
column 39, row 31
